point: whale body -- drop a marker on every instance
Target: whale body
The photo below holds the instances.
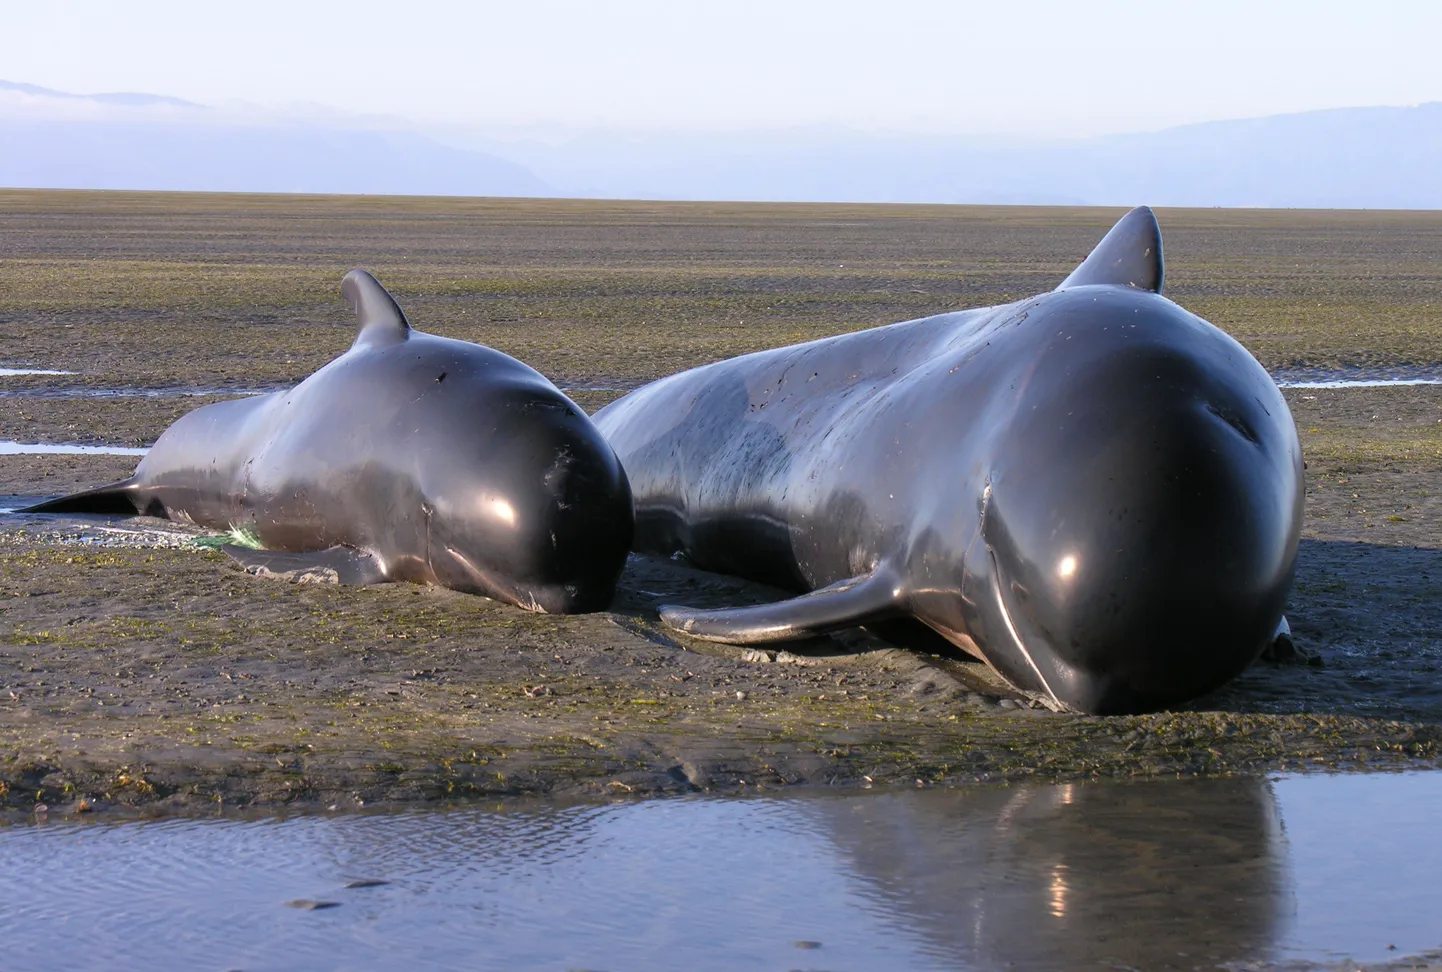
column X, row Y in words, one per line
column 1094, row 491
column 410, row 457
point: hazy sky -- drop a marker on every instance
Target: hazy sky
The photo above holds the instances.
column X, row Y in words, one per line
column 1031, row 68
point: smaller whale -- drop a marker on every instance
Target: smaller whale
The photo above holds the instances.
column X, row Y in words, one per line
column 1092, row 490
column 410, row 457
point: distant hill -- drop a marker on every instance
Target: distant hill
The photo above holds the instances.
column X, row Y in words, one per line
column 137, row 141
column 1375, row 158
column 107, row 155
column 119, row 98
column 1352, row 157
column 1342, row 158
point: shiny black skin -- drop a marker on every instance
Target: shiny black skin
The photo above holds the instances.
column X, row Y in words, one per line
column 445, row 462
column 1093, row 490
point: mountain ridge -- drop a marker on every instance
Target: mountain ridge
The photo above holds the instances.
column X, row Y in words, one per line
column 1355, row 157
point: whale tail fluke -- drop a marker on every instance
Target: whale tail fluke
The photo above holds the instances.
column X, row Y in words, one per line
column 116, row 499
column 1130, row 255
column 846, row 604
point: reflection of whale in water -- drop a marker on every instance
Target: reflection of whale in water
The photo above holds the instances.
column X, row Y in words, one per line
column 1074, row 875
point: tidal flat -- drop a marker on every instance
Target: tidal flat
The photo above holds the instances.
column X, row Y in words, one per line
column 159, row 678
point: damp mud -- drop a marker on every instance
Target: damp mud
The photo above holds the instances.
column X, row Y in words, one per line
column 141, row 673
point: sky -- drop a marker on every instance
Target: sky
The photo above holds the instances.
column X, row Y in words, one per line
column 1029, row 68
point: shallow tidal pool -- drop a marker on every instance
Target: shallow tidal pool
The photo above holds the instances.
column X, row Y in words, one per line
column 1292, row 871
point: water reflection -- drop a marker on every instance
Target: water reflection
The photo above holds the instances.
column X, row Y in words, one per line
column 1074, row 875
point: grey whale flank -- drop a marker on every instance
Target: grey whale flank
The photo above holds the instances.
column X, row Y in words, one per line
column 410, row 457
column 1094, row 491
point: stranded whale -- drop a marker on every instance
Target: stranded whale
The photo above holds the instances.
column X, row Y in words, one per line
column 410, row 457
column 1094, row 491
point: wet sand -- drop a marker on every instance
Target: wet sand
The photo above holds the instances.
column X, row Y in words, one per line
column 167, row 680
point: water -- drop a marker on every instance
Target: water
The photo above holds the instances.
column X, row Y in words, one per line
column 134, row 391
column 120, row 391
column 9, row 447
column 1360, row 383
column 623, row 386
column 1356, row 377
column 1153, row 875
column 138, row 532
column 9, row 372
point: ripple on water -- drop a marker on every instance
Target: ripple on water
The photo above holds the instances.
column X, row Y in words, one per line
column 1220, row 872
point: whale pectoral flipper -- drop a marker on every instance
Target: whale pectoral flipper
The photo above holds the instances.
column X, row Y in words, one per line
column 335, row 565
column 846, row 604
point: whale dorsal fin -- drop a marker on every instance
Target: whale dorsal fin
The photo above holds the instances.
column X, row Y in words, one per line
column 847, row 604
column 1128, row 256
column 379, row 317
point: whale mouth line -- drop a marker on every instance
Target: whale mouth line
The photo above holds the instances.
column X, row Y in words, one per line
column 1236, row 422
column 1014, row 633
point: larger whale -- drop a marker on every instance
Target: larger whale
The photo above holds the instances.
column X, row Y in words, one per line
column 1094, row 491
column 411, row 457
